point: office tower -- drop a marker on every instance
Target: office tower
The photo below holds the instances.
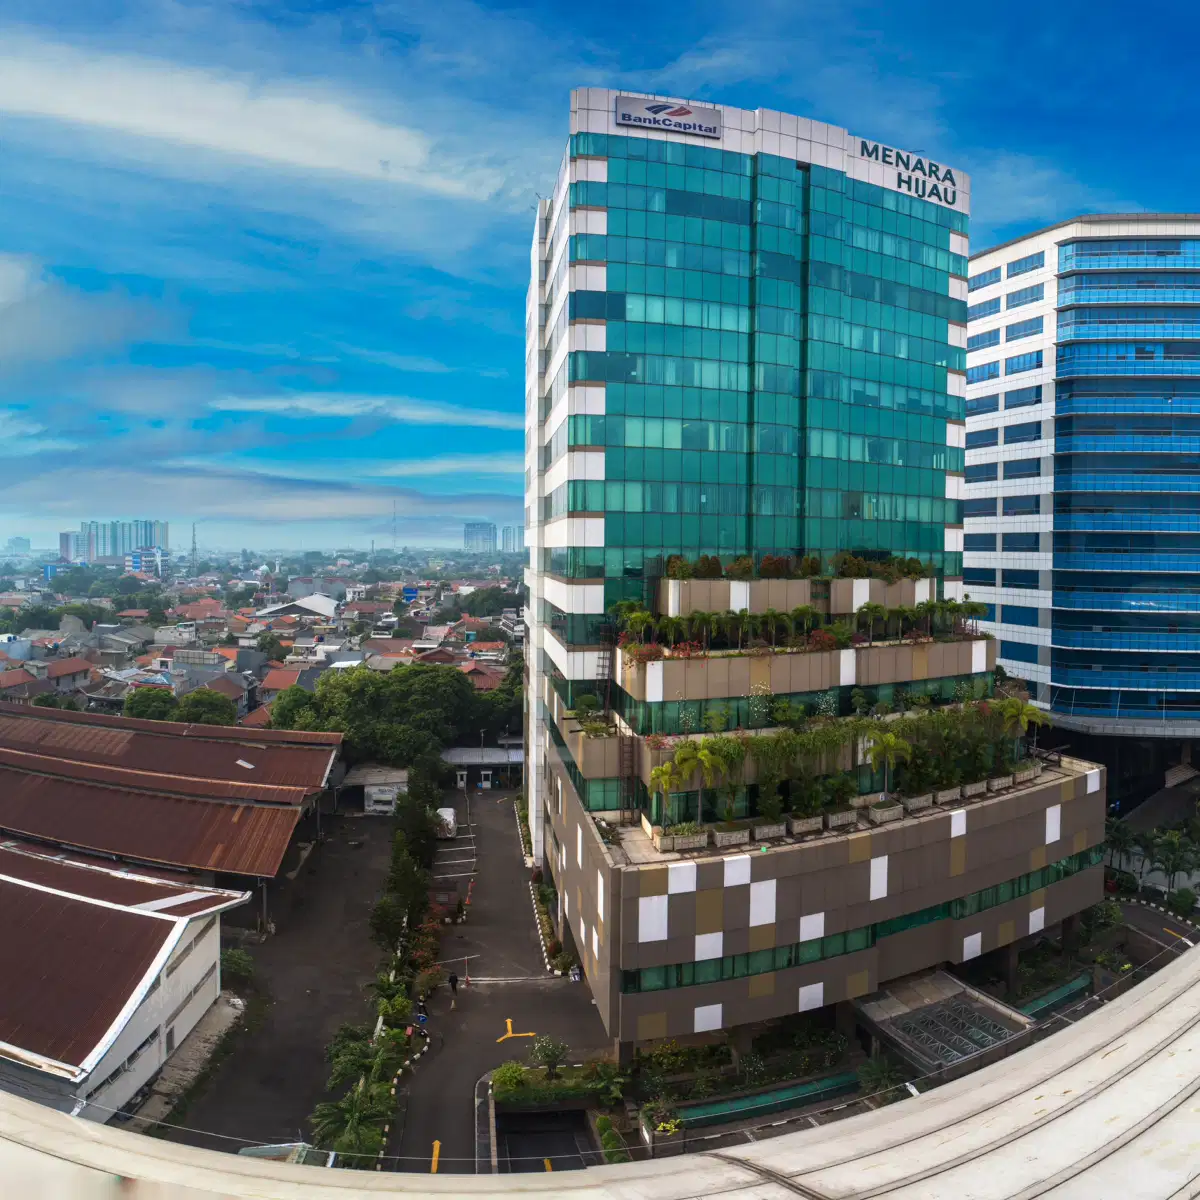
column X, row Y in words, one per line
column 18, row 545
column 1082, row 515
column 513, row 539
column 115, row 539
column 744, row 392
column 480, row 537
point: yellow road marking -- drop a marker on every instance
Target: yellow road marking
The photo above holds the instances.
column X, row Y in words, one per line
column 1174, row 934
column 437, row 1153
column 548, row 1166
column 508, row 1026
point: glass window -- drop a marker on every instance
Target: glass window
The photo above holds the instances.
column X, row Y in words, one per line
column 983, row 404
column 978, row 438
column 1023, row 362
column 1018, row 614
column 1020, row 542
column 980, row 472
column 980, row 576
column 1031, row 262
column 980, row 542
column 983, row 372
column 1022, row 329
column 1027, row 431
column 983, row 279
column 1014, row 578
column 981, row 341
column 986, row 308
column 1019, row 652
column 1020, row 397
column 1022, row 468
column 984, row 506
column 1029, row 295
column 1021, row 506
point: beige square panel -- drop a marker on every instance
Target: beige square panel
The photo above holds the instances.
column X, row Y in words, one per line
column 762, row 985
column 857, row 984
column 958, row 856
column 652, row 883
column 860, row 847
column 1006, row 932
column 1080, row 842
column 651, row 1025
column 710, row 911
column 1037, row 858
column 762, row 937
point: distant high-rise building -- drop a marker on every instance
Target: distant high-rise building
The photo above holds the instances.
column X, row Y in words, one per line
column 72, row 546
column 512, row 539
column 115, row 539
column 18, row 545
column 479, row 536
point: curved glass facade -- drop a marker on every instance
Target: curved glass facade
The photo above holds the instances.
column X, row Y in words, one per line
column 1125, row 640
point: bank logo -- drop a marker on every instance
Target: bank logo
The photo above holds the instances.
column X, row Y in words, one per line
column 661, row 114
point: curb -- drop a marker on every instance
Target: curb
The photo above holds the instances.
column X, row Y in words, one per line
column 406, row 1065
column 1162, row 908
column 538, row 925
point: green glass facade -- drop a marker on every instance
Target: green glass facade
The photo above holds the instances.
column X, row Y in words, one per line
column 775, row 371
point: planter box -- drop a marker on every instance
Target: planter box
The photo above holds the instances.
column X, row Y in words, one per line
column 1000, row 783
column 776, row 829
column 947, row 795
column 916, row 803
column 1027, row 774
column 974, row 789
column 882, row 814
column 731, row 837
column 798, row 825
column 662, row 1145
column 691, row 841
column 662, row 841
column 835, row 820
column 867, row 798
column 647, row 828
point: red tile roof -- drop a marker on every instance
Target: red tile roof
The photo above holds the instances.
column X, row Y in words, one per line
column 134, row 612
column 279, row 678
column 258, row 719
column 60, row 667
column 226, row 686
column 14, row 678
column 489, row 646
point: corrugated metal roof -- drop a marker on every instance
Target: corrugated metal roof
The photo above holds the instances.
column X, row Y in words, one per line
column 167, row 749
column 70, row 967
column 209, row 835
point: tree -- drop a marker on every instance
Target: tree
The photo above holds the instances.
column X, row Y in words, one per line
column 1174, row 854
column 270, row 645
column 1119, row 840
column 203, row 706
column 887, row 749
column 880, row 1078
column 1017, row 716
column 550, row 1053
column 1146, row 844
column 351, row 1124
column 868, row 614
column 666, row 780
column 804, row 617
column 150, row 704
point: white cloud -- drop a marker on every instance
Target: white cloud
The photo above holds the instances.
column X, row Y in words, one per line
column 448, row 464
column 21, row 437
column 399, row 362
column 272, row 123
column 402, row 409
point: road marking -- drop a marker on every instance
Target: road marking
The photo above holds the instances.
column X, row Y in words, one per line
column 437, row 1153
column 509, row 1034
column 548, row 1166
column 1176, row 935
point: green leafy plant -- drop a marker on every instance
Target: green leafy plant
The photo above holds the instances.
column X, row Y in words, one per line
column 508, row 1077
column 550, row 1053
column 237, row 967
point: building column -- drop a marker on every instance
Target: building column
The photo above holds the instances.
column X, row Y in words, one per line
column 623, row 1052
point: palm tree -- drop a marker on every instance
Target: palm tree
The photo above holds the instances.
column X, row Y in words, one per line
column 735, row 625
column 1146, row 844
column 973, row 610
column 351, row 1123
column 925, row 612
column 906, row 614
column 887, row 748
column 704, row 626
column 671, row 628
column 804, row 616
column 771, row 620
column 687, row 762
column 880, row 1078
column 869, row 613
column 755, row 622
column 1017, row 715
column 1174, row 854
column 1119, row 839
column 639, row 623
column 665, row 779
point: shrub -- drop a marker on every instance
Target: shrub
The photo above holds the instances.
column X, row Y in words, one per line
column 563, row 962
column 550, row 1053
column 603, row 1124
column 775, row 566
column 509, row 1076
column 822, row 639
column 553, row 948
column 237, row 967
column 610, row 1139
column 708, row 566
column 428, row 979
column 741, row 568
column 1182, row 901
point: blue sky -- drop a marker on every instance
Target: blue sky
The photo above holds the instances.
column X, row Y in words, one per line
column 262, row 264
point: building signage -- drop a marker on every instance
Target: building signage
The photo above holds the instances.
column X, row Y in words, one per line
column 661, row 114
column 921, row 177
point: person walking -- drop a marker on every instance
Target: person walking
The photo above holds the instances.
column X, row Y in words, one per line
column 453, row 982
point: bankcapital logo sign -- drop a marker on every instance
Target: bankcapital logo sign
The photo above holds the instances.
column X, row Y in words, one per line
column 678, row 118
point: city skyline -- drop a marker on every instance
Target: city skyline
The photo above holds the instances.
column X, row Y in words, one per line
column 343, row 342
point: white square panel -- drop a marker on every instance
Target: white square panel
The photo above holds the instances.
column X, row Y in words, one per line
column 600, row 895
column 681, row 877
column 972, row 946
column 596, row 941
column 737, row 869
column 762, row 902
column 709, row 945
column 652, row 918
column 812, row 995
column 707, row 1018
column 1053, row 823
column 958, row 822
column 579, row 845
column 1037, row 920
column 812, row 926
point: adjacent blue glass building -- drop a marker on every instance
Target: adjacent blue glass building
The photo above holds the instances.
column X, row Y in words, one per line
column 1082, row 521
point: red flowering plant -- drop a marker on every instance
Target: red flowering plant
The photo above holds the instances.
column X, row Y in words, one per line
column 642, row 652
column 822, row 639
column 657, row 741
column 687, row 650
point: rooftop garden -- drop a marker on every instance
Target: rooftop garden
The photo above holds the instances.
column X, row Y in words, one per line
column 815, row 771
column 808, row 566
column 646, row 637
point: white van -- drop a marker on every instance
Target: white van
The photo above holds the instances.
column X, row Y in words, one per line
column 448, row 823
